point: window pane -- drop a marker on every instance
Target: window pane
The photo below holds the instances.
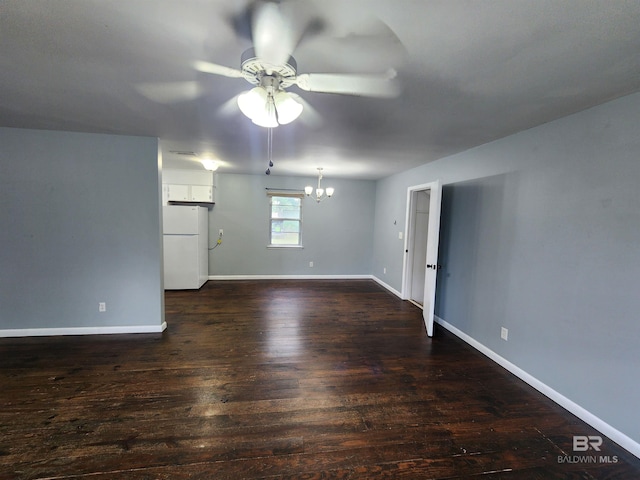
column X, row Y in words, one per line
column 285, row 226
column 286, row 201
column 291, row 226
column 285, row 207
column 285, row 211
column 295, row 201
column 285, row 239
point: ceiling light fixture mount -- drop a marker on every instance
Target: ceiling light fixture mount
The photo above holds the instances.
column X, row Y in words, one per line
column 321, row 193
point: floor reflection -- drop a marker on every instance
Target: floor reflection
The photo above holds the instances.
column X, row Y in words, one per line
column 282, row 328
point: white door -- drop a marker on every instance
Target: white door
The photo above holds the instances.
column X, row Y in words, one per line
column 416, row 251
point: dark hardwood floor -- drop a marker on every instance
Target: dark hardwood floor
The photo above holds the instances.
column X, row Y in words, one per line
column 281, row 379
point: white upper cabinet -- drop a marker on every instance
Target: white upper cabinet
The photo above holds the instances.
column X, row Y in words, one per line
column 188, row 186
column 177, row 193
column 201, row 193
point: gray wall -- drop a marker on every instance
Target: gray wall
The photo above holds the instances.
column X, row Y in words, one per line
column 80, row 224
column 337, row 233
column 541, row 234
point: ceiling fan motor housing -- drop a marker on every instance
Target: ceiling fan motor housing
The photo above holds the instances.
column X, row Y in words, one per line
column 257, row 72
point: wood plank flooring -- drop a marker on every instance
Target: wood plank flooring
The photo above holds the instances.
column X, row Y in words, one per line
column 281, row 379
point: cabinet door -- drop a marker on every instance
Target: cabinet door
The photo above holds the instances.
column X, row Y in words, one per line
column 201, row 193
column 178, row 193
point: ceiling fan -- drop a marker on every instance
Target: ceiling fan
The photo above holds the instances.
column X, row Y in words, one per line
column 271, row 69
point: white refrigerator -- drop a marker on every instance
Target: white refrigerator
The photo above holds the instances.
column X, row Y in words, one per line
column 186, row 246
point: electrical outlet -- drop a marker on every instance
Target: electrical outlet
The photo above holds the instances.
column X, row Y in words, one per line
column 102, row 306
column 400, row 235
column 220, row 232
column 311, row 264
column 384, row 270
column 504, row 334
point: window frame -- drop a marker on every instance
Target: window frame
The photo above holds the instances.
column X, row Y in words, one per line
column 274, row 194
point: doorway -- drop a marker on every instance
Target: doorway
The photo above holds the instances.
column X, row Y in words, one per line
column 420, row 206
column 421, row 248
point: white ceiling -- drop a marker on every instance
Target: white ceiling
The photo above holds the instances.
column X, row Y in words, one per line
column 471, row 71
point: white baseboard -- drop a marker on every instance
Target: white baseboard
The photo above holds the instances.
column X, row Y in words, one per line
column 289, row 277
column 46, row 332
column 614, row 434
column 387, row 286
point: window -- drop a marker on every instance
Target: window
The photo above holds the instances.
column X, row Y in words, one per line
column 285, row 223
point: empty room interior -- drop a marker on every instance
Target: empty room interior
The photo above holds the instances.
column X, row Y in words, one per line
column 319, row 239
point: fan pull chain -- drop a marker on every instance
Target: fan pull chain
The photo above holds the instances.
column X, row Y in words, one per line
column 269, row 149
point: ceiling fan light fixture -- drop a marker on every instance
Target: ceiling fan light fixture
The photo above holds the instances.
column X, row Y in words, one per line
column 286, row 107
column 267, row 110
column 266, row 119
column 253, row 102
column 258, row 105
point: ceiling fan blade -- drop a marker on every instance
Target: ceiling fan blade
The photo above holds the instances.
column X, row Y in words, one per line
column 310, row 115
column 170, row 92
column 382, row 86
column 208, row 67
column 273, row 34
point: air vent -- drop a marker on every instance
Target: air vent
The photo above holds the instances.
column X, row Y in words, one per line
column 184, row 153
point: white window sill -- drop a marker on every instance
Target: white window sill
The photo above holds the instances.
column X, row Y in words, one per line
column 285, row 246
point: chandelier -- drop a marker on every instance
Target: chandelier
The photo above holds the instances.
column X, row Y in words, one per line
column 321, row 193
column 269, row 106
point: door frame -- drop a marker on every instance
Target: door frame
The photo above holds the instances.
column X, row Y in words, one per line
column 434, row 187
